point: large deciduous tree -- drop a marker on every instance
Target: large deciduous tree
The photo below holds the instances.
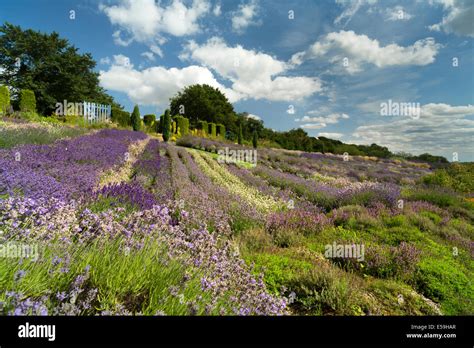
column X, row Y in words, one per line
column 49, row 66
column 204, row 103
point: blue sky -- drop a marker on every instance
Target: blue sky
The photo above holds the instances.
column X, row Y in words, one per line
column 326, row 66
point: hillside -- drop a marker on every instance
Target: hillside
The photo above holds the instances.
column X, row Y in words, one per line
column 112, row 221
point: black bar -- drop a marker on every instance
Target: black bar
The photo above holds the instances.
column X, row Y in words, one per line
column 195, row 331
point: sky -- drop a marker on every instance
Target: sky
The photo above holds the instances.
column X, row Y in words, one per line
column 396, row 73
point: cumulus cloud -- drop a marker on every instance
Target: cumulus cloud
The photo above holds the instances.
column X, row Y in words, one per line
column 441, row 129
column 155, row 85
column 458, row 19
column 245, row 16
column 253, row 74
column 322, row 121
column 358, row 50
column 147, row 21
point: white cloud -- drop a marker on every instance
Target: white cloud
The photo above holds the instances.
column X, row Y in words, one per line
column 360, row 50
column 321, row 121
column 441, row 129
column 217, row 10
column 253, row 74
column 397, row 13
column 155, row 85
column 104, row 61
column 118, row 39
column 329, row 119
column 148, row 55
column 147, row 21
column 121, row 60
column 331, row 135
column 156, row 50
column 350, row 9
column 255, row 117
column 245, row 16
column 312, row 126
column 459, row 17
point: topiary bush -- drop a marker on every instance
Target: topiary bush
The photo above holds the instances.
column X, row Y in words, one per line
column 136, row 121
column 182, row 125
column 212, row 129
column 254, row 139
column 4, row 99
column 220, row 130
column 27, row 100
column 185, row 126
column 239, row 136
column 166, row 125
column 149, row 119
column 203, row 127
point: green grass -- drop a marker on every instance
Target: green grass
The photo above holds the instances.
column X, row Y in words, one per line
column 140, row 281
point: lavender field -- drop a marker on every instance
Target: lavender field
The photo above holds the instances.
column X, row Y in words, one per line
column 118, row 222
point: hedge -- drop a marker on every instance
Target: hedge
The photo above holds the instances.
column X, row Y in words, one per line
column 121, row 117
column 203, row 126
column 221, row 130
column 212, row 129
column 27, row 100
column 4, row 99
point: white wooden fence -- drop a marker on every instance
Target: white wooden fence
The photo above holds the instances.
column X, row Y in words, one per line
column 95, row 113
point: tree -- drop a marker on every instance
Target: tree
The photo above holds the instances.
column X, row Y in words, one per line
column 254, row 139
column 49, row 66
column 166, row 126
column 239, row 137
column 136, row 121
column 203, row 103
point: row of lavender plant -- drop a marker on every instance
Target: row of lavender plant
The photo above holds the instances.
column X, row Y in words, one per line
column 66, row 169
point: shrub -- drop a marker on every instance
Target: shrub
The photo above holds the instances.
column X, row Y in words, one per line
column 149, row 119
column 443, row 281
column 166, row 125
column 159, row 125
column 27, row 100
column 136, row 121
column 185, row 126
column 239, row 137
column 400, row 261
column 221, row 130
column 121, row 117
column 441, row 198
column 182, row 125
column 212, row 129
column 296, row 220
column 4, row 99
column 254, row 139
column 255, row 240
column 285, row 238
column 458, row 176
column 203, row 127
